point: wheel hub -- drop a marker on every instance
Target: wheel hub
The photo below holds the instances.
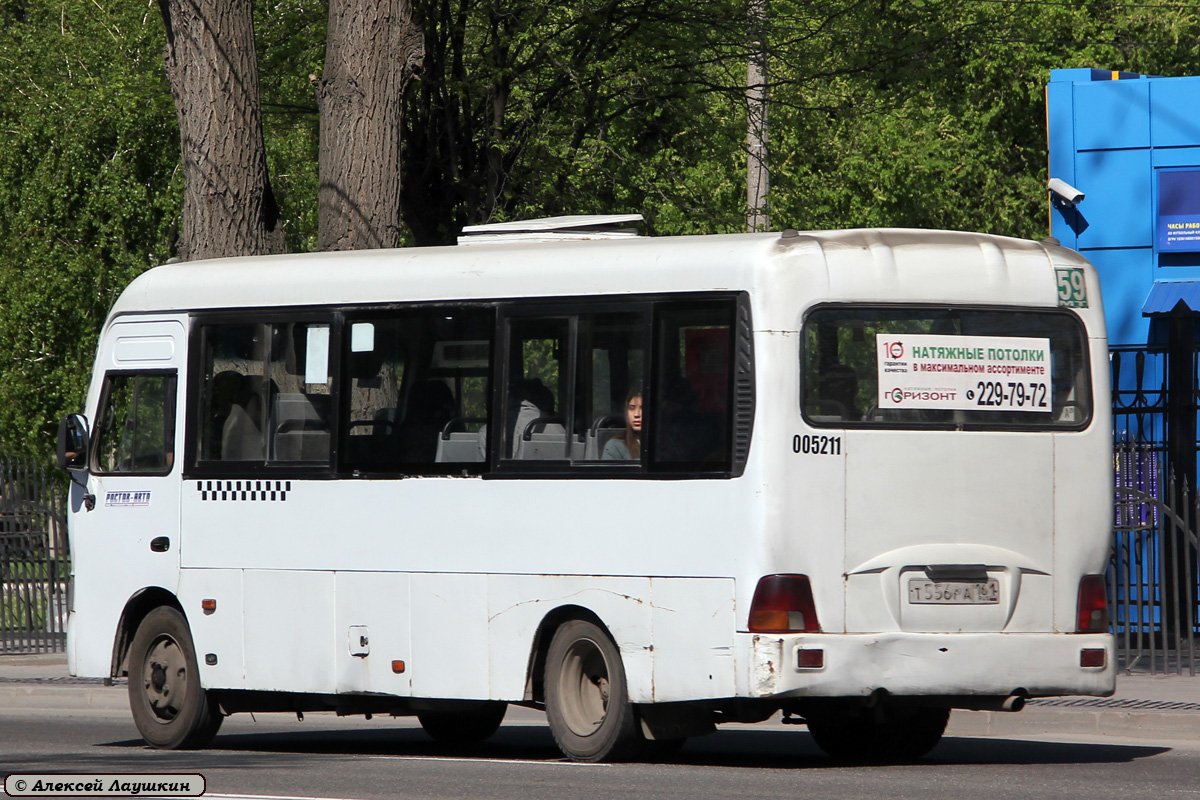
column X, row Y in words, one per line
column 165, row 667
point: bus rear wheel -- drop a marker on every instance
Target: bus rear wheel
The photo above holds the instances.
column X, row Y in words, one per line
column 466, row 725
column 889, row 734
column 170, row 708
column 587, row 703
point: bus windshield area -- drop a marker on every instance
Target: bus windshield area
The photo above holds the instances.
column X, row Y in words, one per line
column 938, row 367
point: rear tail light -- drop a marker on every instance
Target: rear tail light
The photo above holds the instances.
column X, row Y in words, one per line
column 783, row 604
column 1092, row 612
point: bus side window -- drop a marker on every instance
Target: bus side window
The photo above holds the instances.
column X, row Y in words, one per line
column 690, row 408
column 569, row 380
column 298, row 422
column 611, row 372
column 416, row 390
column 538, row 384
column 266, row 393
column 231, row 414
column 136, row 433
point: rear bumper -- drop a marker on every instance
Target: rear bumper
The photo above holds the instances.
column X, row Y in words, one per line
column 944, row 664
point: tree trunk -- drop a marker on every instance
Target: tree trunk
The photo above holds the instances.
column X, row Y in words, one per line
column 228, row 206
column 372, row 53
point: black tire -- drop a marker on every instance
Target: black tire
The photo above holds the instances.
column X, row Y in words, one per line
column 464, row 726
column 587, row 703
column 170, row 708
column 867, row 735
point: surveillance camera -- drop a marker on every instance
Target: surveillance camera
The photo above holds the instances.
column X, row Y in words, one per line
column 1067, row 193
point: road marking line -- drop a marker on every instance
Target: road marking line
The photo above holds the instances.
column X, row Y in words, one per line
column 489, row 761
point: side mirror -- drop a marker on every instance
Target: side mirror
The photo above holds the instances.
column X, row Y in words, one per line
column 73, row 442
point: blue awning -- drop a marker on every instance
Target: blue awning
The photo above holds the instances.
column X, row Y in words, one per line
column 1165, row 296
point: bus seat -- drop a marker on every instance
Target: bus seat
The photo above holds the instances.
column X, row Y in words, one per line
column 578, row 448
column 301, row 428
column 457, row 443
column 604, row 427
column 543, row 439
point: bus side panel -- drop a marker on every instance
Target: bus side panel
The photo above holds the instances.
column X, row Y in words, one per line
column 694, row 623
column 289, row 617
column 517, row 604
column 1083, row 510
column 218, row 633
column 372, row 632
column 802, row 474
column 449, row 636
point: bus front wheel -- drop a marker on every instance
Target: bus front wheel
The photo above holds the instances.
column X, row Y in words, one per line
column 888, row 734
column 170, row 708
column 587, row 703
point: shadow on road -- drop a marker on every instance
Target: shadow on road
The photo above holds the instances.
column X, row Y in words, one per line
column 747, row 749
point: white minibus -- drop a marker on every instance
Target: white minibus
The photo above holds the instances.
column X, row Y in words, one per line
column 649, row 485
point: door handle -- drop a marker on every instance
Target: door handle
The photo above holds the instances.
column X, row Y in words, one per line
column 160, row 544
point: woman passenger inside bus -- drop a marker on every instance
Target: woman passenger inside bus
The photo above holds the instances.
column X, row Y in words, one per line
column 628, row 446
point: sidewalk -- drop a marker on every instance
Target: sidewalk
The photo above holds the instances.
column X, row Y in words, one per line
column 1164, row 708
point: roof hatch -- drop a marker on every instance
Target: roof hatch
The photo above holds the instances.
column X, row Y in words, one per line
column 554, row 229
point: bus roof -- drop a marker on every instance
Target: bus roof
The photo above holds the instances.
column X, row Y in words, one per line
column 878, row 261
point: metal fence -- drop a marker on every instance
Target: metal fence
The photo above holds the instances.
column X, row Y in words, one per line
column 34, row 561
column 1154, row 571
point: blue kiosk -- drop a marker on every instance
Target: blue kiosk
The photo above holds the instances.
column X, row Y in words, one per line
column 1125, row 191
column 1125, row 159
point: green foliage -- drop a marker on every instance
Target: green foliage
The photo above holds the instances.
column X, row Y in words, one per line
column 887, row 112
column 89, row 190
column 534, row 110
column 948, row 130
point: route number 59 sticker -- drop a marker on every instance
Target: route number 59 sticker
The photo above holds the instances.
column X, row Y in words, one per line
column 1072, row 289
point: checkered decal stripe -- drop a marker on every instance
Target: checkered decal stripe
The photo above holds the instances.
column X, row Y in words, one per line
column 250, row 491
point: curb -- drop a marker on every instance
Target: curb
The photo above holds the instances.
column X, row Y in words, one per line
column 1102, row 722
column 54, row 696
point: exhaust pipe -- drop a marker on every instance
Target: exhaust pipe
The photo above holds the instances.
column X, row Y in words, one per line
column 1013, row 702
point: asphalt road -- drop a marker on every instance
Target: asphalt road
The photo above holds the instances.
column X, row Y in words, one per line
column 326, row 757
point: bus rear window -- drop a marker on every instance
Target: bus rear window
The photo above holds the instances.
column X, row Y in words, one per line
column 968, row 368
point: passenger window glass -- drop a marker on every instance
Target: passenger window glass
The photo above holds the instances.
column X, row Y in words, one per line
column 609, row 396
column 136, row 431
column 690, row 408
column 232, row 411
column 299, row 392
column 539, row 368
column 375, row 370
column 417, row 391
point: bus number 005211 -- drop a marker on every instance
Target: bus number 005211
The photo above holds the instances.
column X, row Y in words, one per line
column 817, row 445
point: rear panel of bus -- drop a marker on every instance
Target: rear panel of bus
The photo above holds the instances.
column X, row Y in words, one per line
column 948, row 473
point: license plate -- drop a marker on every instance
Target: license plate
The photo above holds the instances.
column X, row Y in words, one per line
column 953, row 592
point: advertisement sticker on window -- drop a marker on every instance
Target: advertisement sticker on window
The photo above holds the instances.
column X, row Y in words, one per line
column 981, row 373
